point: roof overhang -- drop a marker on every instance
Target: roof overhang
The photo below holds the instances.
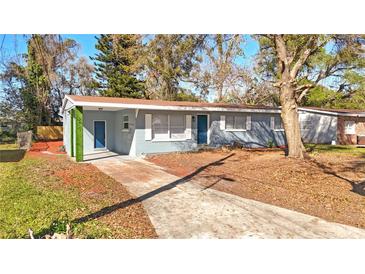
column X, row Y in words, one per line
column 333, row 113
column 110, row 106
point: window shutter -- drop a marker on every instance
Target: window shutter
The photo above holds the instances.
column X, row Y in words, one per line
column 147, row 127
column 223, row 122
column 248, row 122
column 272, row 122
column 188, row 127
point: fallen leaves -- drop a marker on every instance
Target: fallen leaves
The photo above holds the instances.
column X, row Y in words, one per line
column 321, row 186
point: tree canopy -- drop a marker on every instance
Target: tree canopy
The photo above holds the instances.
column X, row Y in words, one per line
column 116, row 65
column 296, row 64
column 288, row 70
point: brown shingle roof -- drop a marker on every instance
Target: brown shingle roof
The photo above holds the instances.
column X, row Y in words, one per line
column 117, row 100
column 99, row 99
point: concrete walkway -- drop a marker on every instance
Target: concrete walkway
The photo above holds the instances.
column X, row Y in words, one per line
column 180, row 208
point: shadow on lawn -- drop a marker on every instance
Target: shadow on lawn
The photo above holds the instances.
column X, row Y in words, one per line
column 107, row 210
column 12, row 155
column 357, row 187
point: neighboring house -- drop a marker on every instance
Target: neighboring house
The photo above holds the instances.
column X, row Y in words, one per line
column 344, row 126
column 137, row 126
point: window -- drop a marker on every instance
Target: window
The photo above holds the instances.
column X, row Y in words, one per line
column 168, row 127
column 125, row 125
column 350, row 127
column 236, row 122
column 278, row 123
column 177, row 127
column 160, row 126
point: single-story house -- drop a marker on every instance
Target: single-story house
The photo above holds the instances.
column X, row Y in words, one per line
column 342, row 126
column 137, row 126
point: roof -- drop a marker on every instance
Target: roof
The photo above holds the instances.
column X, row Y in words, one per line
column 116, row 100
column 113, row 102
column 337, row 112
column 353, row 111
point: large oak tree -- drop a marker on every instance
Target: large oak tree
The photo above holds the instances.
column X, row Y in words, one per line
column 297, row 63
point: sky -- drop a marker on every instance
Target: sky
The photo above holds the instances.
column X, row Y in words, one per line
column 17, row 43
column 14, row 44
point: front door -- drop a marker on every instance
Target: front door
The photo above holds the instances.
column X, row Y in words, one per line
column 99, row 134
column 202, row 129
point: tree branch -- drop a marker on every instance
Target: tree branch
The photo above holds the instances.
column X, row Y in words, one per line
column 308, row 49
column 302, row 94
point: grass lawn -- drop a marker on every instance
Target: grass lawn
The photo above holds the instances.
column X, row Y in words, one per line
column 44, row 194
column 336, row 149
column 8, row 146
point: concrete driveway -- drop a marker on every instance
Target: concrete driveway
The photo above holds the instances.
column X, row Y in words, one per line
column 180, row 208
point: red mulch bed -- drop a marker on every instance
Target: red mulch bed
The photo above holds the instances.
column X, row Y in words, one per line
column 50, row 146
column 327, row 185
column 50, row 150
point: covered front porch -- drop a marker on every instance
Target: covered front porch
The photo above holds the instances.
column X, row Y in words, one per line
column 100, row 132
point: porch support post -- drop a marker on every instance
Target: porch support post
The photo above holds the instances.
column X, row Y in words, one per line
column 72, row 133
column 79, row 134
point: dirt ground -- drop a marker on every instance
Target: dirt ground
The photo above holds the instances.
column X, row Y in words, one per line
column 101, row 193
column 329, row 186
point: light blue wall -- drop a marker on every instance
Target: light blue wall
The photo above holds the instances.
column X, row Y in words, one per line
column 89, row 117
column 145, row 147
column 67, row 127
column 123, row 139
column 67, row 132
column 259, row 136
column 316, row 128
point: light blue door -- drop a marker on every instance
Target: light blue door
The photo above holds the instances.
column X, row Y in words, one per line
column 202, row 129
column 99, row 134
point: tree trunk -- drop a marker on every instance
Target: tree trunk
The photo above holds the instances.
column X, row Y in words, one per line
column 219, row 93
column 290, row 117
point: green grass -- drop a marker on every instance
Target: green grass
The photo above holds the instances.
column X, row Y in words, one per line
column 30, row 200
column 336, row 149
column 8, row 146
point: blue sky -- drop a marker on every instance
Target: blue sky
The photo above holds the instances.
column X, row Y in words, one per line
column 17, row 44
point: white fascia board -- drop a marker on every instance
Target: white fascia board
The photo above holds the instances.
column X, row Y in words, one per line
column 64, row 103
column 333, row 113
column 178, row 108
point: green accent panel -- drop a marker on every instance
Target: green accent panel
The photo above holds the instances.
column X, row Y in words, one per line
column 79, row 134
column 72, row 133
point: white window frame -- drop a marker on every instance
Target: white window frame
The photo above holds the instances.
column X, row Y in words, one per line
column 169, row 139
column 272, row 124
column 350, row 130
column 125, row 122
column 247, row 120
column 184, row 127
